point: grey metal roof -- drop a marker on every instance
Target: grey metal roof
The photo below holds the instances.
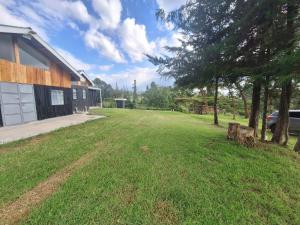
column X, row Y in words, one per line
column 32, row 34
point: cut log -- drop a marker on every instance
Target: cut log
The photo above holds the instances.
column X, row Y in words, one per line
column 242, row 134
column 247, row 136
column 297, row 146
column 233, row 131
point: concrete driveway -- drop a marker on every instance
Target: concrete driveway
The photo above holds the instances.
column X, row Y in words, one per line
column 14, row 133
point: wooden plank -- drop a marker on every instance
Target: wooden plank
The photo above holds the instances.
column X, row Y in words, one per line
column 55, row 76
column 22, row 76
column 16, row 50
column 47, row 78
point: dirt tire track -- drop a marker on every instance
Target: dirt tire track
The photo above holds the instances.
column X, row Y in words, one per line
column 13, row 212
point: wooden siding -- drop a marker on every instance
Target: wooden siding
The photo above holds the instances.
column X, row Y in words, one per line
column 45, row 109
column 13, row 72
column 80, row 104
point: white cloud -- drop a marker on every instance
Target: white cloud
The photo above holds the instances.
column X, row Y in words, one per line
column 43, row 15
column 63, row 10
column 14, row 19
column 170, row 5
column 96, row 40
column 134, row 40
column 106, row 67
column 74, row 61
column 109, row 11
column 75, row 27
column 31, row 15
column 143, row 75
column 176, row 39
column 10, row 19
column 46, row 16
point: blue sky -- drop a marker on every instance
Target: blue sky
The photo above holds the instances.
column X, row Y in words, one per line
column 107, row 38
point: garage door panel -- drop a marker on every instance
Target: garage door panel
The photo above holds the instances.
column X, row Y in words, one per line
column 17, row 103
column 27, row 98
column 26, row 89
column 10, row 98
column 12, row 119
column 28, row 107
column 9, row 87
column 29, row 117
column 11, row 109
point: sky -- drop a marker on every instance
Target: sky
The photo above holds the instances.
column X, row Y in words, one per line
column 106, row 38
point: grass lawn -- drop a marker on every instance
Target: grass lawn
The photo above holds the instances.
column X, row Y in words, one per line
column 154, row 167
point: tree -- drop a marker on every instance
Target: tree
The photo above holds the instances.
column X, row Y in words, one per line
column 158, row 97
column 280, row 135
column 242, row 88
column 134, row 94
column 233, row 102
column 265, row 108
column 107, row 90
column 242, row 38
column 201, row 60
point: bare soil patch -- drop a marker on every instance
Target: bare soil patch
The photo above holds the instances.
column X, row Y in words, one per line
column 145, row 149
column 165, row 213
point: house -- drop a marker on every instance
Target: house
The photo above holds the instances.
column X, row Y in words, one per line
column 35, row 81
column 85, row 94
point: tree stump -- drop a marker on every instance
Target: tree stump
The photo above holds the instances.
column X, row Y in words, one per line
column 297, row 145
column 242, row 134
column 247, row 136
column 233, row 131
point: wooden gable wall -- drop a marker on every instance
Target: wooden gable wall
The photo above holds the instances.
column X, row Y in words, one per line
column 13, row 72
column 16, row 72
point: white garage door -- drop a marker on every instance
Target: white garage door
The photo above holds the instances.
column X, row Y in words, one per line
column 17, row 103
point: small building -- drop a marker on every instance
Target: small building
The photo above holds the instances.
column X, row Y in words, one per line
column 35, row 81
column 121, row 103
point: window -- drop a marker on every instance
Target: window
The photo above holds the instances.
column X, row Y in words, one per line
column 6, row 47
column 83, row 94
column 30, row 56
column 74, row 94
column 57, row 97
column 294, row 114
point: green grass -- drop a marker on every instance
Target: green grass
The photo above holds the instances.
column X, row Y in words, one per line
column 154, row 167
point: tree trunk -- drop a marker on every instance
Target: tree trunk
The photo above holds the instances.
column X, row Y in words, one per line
column 297, row 146
column 281, row 135
column 254, row 115
column 270, row 102
column 203, row 94
column 265, row 109
column 216, row 119
column 240, row 89
column 233, row 104
column 233, row 107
